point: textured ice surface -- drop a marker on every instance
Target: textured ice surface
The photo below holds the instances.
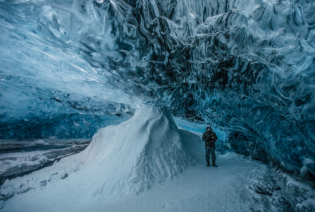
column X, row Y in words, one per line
column 245, row 66
column 300, row 195
column 59, row 126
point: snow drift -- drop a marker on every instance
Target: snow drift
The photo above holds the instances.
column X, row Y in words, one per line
column 134, row 155
column 123, row 159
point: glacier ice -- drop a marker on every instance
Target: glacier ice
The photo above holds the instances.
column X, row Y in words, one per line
column 246, row 67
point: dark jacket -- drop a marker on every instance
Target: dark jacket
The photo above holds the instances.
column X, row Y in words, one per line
column 207, row 138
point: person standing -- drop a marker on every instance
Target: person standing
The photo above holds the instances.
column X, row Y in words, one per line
column 209, row 137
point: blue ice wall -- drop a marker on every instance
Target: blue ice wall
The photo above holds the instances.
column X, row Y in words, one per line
column 247, row 67
column 199, row 127
column 59, row 126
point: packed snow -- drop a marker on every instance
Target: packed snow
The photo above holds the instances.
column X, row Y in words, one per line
column 146, row 164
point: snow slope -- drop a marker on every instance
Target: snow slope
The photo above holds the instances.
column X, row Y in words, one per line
column 135, row 166
column 136, row 154
column 122, row 159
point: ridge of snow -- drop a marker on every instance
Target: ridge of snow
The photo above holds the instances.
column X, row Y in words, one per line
column 142, row 151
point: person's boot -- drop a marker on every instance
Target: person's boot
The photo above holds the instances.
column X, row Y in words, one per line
column 213, row 163
column 208, row 163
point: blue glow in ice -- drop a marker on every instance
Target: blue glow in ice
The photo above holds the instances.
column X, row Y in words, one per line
column 247, row 67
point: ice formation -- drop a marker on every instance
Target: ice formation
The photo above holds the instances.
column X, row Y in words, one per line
column 245, row 66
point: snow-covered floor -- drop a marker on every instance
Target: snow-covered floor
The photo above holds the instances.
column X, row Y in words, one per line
column 197, row 189
column 238, row 184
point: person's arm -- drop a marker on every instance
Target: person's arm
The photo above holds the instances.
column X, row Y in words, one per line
column 204, row 137
column 214, row 136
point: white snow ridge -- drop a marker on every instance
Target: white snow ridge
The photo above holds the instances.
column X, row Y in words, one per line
column 132, row 156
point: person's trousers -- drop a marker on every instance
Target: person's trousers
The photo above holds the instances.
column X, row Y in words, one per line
column 210, row 150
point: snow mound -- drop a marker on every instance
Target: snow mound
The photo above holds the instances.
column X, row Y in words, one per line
column 124, row 159
column 134, row 155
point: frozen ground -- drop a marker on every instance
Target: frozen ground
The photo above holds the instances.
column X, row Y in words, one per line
column 146, row 164
column 197, row 189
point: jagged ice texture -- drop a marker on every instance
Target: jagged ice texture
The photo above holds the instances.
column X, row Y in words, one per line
column 246, row 67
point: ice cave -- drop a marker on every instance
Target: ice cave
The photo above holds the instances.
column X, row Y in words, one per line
column 104, row 105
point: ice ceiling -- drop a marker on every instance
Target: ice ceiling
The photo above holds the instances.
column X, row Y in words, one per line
column 246, row 67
